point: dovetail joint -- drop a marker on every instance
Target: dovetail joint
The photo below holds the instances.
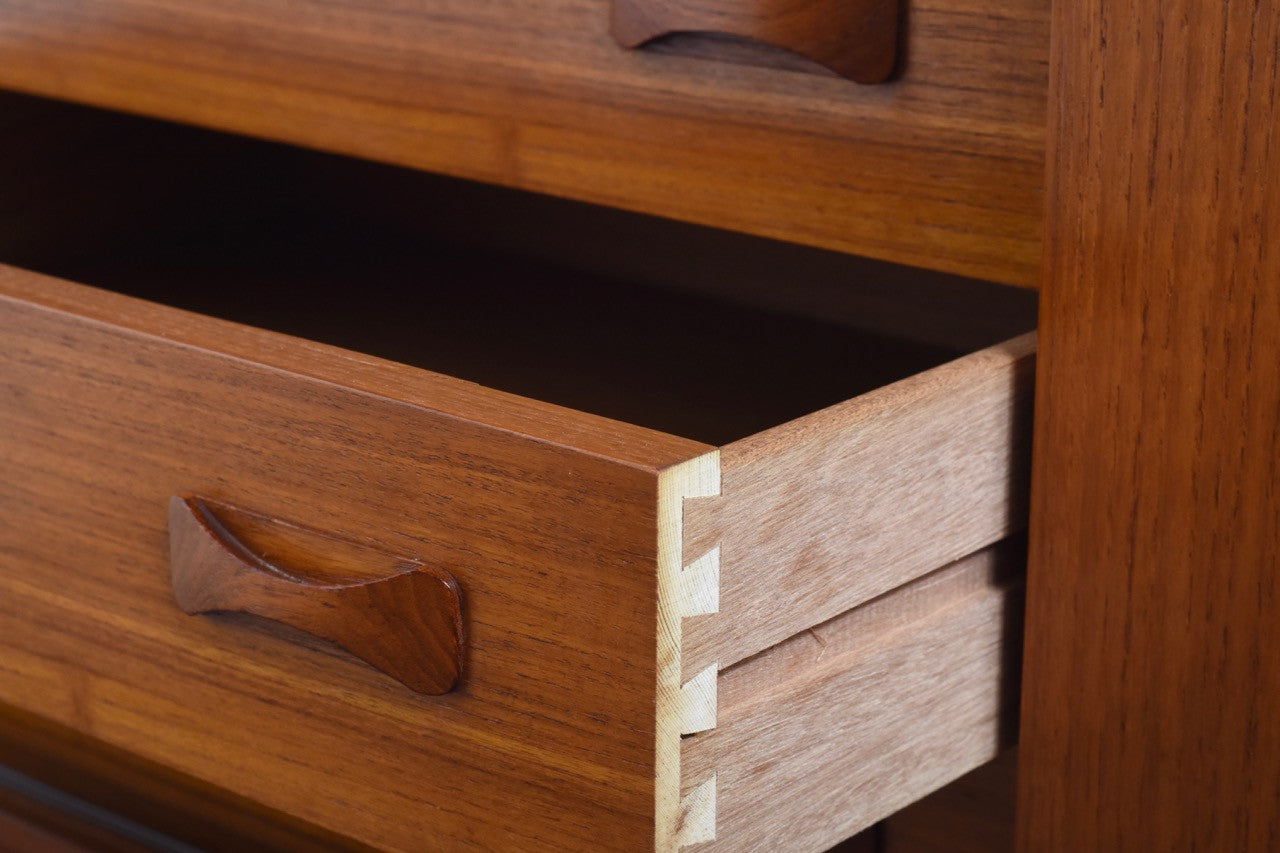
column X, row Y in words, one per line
column 685, row 588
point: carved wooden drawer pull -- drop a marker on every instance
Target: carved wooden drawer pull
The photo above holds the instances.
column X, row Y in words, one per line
column 857, row 39
column 407, row 622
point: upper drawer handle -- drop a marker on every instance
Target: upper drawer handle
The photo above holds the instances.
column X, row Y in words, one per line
column 857, row 39
column 407, row 623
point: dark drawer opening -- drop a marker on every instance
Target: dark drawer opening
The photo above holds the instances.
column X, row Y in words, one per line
column 692, row 331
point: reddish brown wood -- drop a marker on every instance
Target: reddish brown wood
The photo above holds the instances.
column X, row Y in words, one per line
column 857, row 39
column 111, row 405
column 941, row 168
column 407, row 624
column 1152, row 692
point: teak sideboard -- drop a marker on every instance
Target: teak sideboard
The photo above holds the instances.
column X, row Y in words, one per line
column 432, row 424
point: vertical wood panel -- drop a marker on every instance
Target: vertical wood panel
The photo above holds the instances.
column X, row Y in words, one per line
column 1152, row 690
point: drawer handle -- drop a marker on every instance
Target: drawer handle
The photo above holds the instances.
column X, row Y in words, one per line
column 857, row 39
column 407, row 623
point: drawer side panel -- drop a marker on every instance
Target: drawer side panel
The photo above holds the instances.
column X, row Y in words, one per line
column 819, row 515
column 839, row 727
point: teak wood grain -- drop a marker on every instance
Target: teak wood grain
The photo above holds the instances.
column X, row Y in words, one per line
column 821, row 514
column 1151, row 713
column 404, row 618
column 857, row 39
column 581, row 545
column 844, row 724
column 941, row 167
column 112, row 405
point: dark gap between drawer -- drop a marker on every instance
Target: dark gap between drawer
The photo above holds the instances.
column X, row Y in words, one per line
column 685, row 329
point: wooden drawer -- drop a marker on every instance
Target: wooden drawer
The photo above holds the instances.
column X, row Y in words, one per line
column 780, row 637
column 940, row 167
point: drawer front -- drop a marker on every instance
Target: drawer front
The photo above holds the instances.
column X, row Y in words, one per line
column 112, row 406
column 941, row 167
column 639, row 612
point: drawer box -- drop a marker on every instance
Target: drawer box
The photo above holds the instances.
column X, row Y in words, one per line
column 643, row 612
column 940, row 167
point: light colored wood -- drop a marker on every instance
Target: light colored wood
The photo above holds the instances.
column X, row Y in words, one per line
column 823, row 735
column 826, row 512
column 112, row 405
column 1151, row 716
column 940, row 168
column 688, row 585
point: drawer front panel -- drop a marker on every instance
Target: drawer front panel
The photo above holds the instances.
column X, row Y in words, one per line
column 941, row 167
column 547, row 742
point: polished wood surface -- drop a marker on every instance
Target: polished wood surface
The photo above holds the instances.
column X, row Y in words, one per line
column 842, row 725
column 407, row 623
column 112, row 405
column 343, row 443
column 1151, row 713
column 823, row 513
column 857, row 39
column 940, row 168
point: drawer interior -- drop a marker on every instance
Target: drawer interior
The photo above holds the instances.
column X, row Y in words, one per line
column 691, row 331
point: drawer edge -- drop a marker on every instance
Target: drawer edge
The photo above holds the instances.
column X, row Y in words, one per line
column 488, row 407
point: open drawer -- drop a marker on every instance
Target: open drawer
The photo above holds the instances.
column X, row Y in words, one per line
column 708, row 600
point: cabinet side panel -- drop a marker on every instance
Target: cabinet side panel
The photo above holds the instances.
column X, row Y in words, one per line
column 1153, row 610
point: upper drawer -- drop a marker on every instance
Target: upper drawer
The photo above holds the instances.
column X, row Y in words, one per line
column 940, row 167
column 765, row 479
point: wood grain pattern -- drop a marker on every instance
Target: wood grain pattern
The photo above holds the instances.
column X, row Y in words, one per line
column 367, row 257
column 941, row 168
column 111, row 405
column 857, row 39
column 1152, row 690
column 407, row 623
column 826, row 512
column 842, row 725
